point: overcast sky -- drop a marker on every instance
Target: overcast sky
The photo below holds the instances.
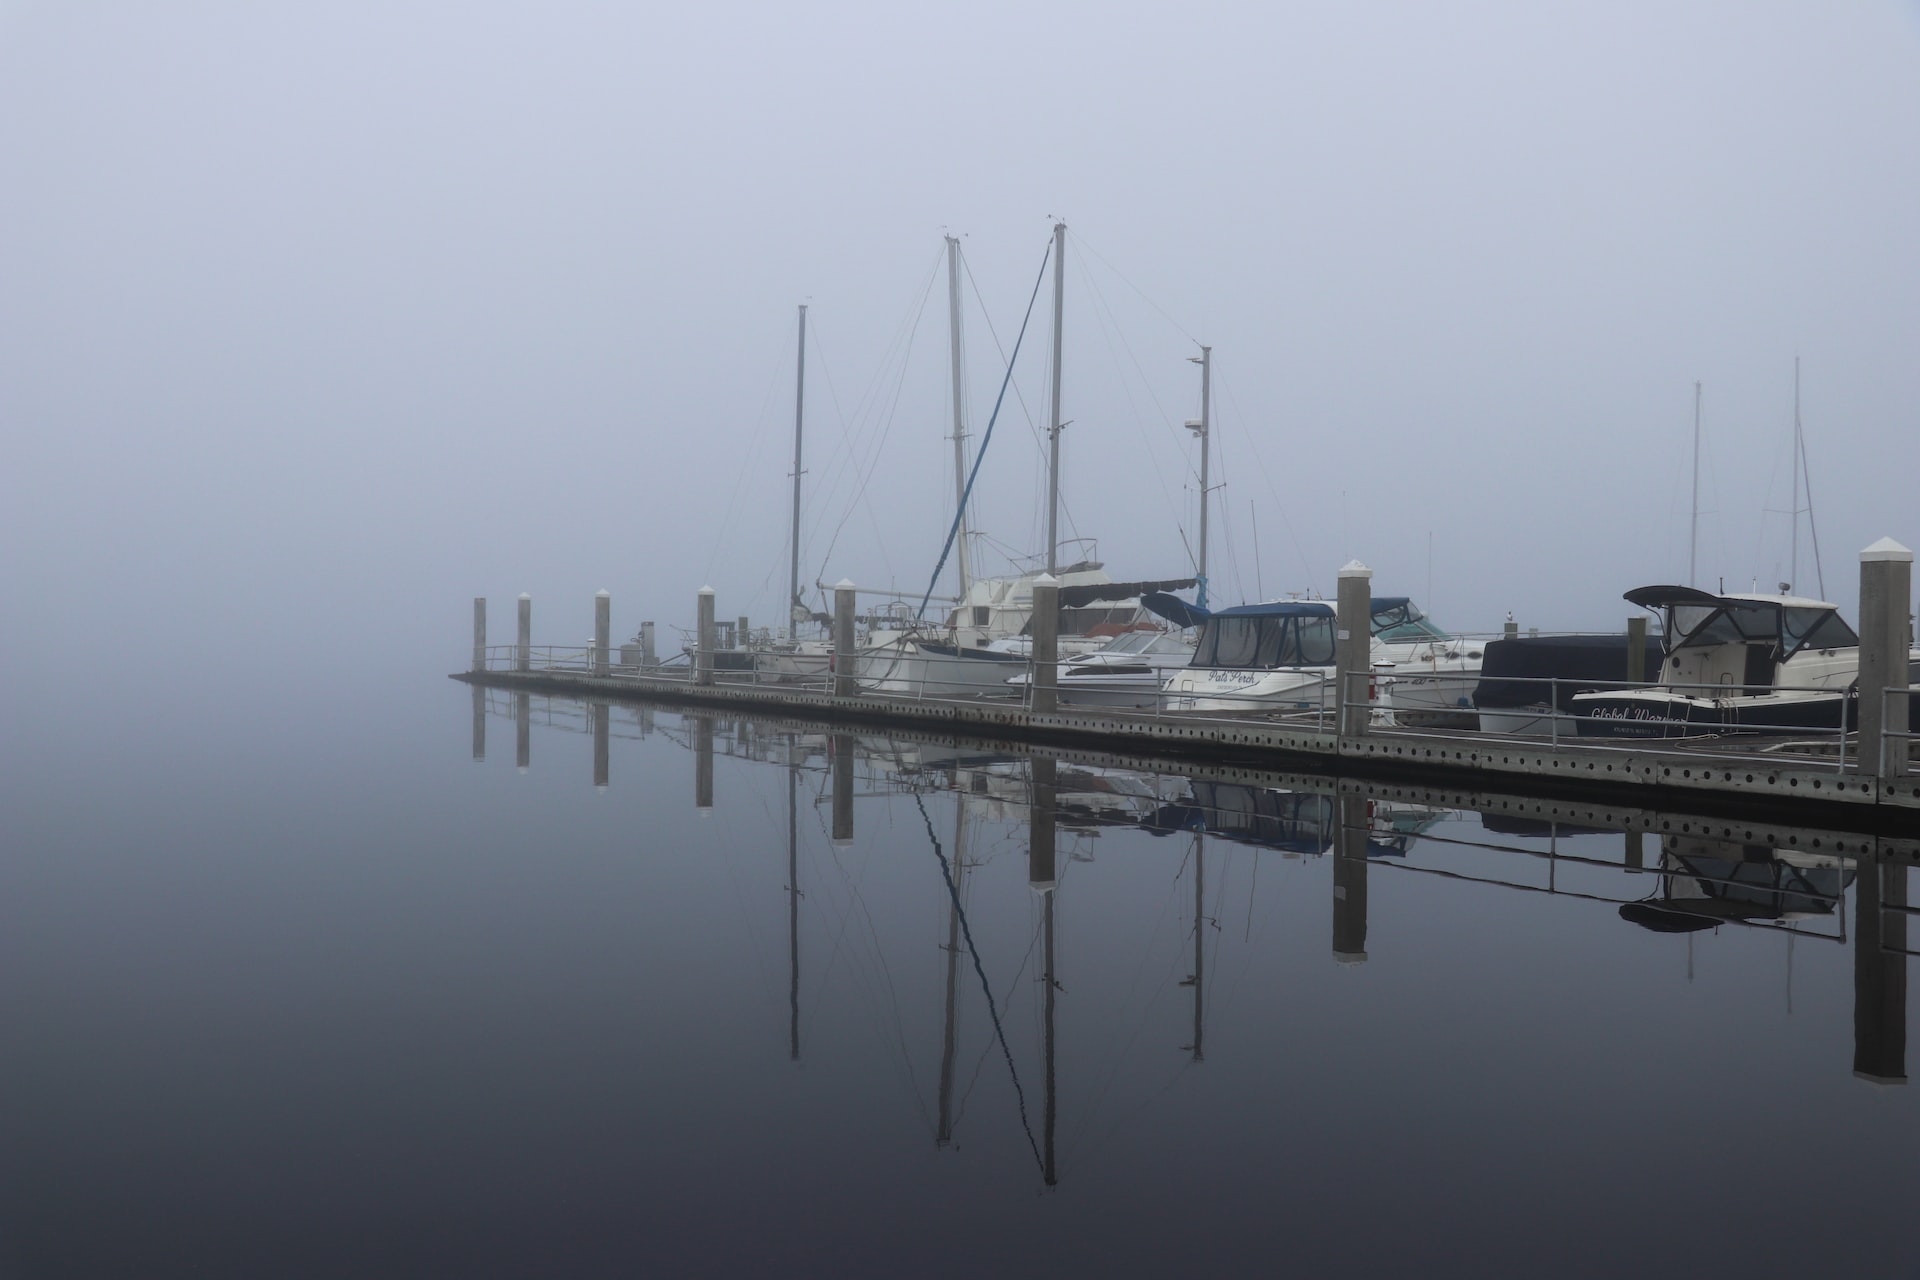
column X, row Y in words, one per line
column 316, row 320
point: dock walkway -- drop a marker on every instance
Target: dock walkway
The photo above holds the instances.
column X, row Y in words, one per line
column 1722, row 775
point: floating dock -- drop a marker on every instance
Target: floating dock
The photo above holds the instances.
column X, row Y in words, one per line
column 1871, row 787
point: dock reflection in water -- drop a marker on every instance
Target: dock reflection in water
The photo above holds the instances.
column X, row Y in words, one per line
column 1089, row 971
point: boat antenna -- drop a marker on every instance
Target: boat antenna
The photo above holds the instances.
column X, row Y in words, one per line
column 1693, row 540
column 794, row 608
column 987, row 435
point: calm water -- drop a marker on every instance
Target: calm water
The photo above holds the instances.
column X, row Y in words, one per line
column 308, row 990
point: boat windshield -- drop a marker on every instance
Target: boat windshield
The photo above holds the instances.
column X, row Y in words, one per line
column 1818, row 629
column 1704, row 624
column 1405, row 622
column 1133, row 642
column 1257, row 642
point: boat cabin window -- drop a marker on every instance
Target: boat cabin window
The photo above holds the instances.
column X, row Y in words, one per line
column 1405, row 622
column 1695, row 624
column 1257, row 642
column 1818, row 629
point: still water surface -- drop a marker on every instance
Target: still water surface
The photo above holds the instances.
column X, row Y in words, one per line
column 408, row 993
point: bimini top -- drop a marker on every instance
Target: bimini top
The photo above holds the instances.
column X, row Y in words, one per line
column 1698, row 618
column 1661, row 597
column 1183, row 613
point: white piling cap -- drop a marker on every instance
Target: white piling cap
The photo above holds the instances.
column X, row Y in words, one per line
column 603, row 594
column 1046, row 580
column 845, row 584
column 1354, row 569
column 704, row 591
column 525, row 596
column 1887, row 549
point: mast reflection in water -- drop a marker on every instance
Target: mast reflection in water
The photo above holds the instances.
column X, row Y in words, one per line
column 1120, row 977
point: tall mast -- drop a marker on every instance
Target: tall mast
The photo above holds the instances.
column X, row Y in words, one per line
column 1693, row 539
column 1203, row 427
column 1793, row 564
column 1053, row 431
column 799, row 404
column 965, row 563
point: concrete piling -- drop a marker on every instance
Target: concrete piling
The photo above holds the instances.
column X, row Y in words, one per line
column 1044, row 629
column 703, row 639
column 602, row 631
column 844, row 683
column 479, row 633
column 649, row 656
column 479, row 723
column 1886, row 594
column 1352, row 649
column 523, row 643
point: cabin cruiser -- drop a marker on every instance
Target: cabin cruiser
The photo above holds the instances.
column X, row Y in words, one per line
column 1433, row 674
column 1127, row 672
column 1735, row 663
column 1289, row 666
column 1528, row 681
column 1256, row 659
column 985, row 641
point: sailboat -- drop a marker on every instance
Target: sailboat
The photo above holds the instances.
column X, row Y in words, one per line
column 982, row 642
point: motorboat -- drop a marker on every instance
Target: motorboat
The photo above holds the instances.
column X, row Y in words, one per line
column 1255, row 659
column 1525, row 681
column 1735, row 663
column 1289, row 664
column 1433, row 674
column 1127, row 672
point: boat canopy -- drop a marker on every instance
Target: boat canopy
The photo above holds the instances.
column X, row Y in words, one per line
column 1698, row 618
column 1079, row 597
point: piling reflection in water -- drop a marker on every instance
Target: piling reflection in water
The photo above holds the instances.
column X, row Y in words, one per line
column 1880, row 972
column 1050, row 811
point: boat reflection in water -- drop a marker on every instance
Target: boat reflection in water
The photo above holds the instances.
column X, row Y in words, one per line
column 1021, row 997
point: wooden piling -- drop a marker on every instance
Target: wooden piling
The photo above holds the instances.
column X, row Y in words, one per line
column 1886, row 594
column 844, row 658
column 602, row 631
column 1044, row 630
column 703, row 638
column 1352, row 650
column 479, row 633
column 523, row 643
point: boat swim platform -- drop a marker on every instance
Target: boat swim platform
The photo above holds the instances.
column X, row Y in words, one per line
column 1725, row 778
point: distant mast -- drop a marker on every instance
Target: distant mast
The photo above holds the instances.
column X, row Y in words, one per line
column 1693, row 539
column 794, row 611
column 965, row 563
column 1203, row 428
column 1793, row 542
column 1054, row 429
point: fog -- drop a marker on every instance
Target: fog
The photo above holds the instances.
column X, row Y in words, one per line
column 317, row 321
